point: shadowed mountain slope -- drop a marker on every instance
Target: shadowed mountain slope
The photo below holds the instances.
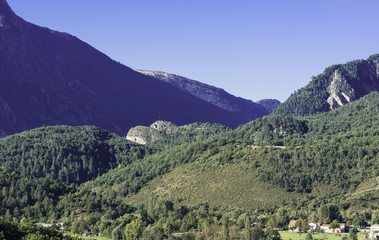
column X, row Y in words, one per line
column 246, row 109
column 50, row 78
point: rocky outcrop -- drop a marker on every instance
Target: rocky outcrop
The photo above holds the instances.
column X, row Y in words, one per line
column 163, row 125
column 142, row 135
column 213, row 95
column 155, row 132
column 340, row 91
column 168, row 134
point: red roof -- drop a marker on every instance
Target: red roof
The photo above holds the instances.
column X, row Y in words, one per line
column 292, row 223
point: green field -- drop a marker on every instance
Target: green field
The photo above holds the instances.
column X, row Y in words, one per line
column 287, row 235
column 96, row 238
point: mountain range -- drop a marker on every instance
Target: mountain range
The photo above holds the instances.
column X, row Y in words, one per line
column 247, row 109
column 50, row 78
column 315, row 158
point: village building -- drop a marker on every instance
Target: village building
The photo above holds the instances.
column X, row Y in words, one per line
column 314, row 226
column 293, row 226
column 326, row 228
column 374, row 231
column 44, row 224
column 59, row 225
column 342, row 227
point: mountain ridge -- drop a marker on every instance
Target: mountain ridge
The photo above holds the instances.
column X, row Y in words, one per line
column 338, row 85
column 269, row 104
column 211, row 94
column 51, row 78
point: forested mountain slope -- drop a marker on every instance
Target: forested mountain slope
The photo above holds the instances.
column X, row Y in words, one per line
column 360, row 115
column 278, row 167
column 15, row 231
column 309, row 152
column 68, row 154
column 337, row 85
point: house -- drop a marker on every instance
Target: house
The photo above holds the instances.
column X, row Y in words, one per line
column 326, row 228
column 374, row 231
column 342, row 227
column 61, row 226
column 44, row 224
column 314, row 226
column 293, row 226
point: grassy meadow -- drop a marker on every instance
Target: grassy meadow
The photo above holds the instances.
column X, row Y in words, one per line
column 287, row 235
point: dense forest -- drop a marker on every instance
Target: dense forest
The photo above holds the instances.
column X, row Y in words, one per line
column 12, row 231
column 322, row 167
column 68, row 154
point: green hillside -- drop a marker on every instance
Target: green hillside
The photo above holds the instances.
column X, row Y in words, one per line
column 238, row 172
column 267, row 171
column 314, row 157
column 14, row 231
column 269, row 128
column 230, row 186
column 68, row 154
column 361, row 115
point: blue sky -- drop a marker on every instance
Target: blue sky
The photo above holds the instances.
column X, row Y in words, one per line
column 253, row 49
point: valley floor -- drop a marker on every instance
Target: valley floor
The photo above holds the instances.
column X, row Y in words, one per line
column 289, row 235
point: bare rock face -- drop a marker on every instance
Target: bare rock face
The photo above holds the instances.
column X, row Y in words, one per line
column 162, row 125
column 144, row 135
column 340, row 91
